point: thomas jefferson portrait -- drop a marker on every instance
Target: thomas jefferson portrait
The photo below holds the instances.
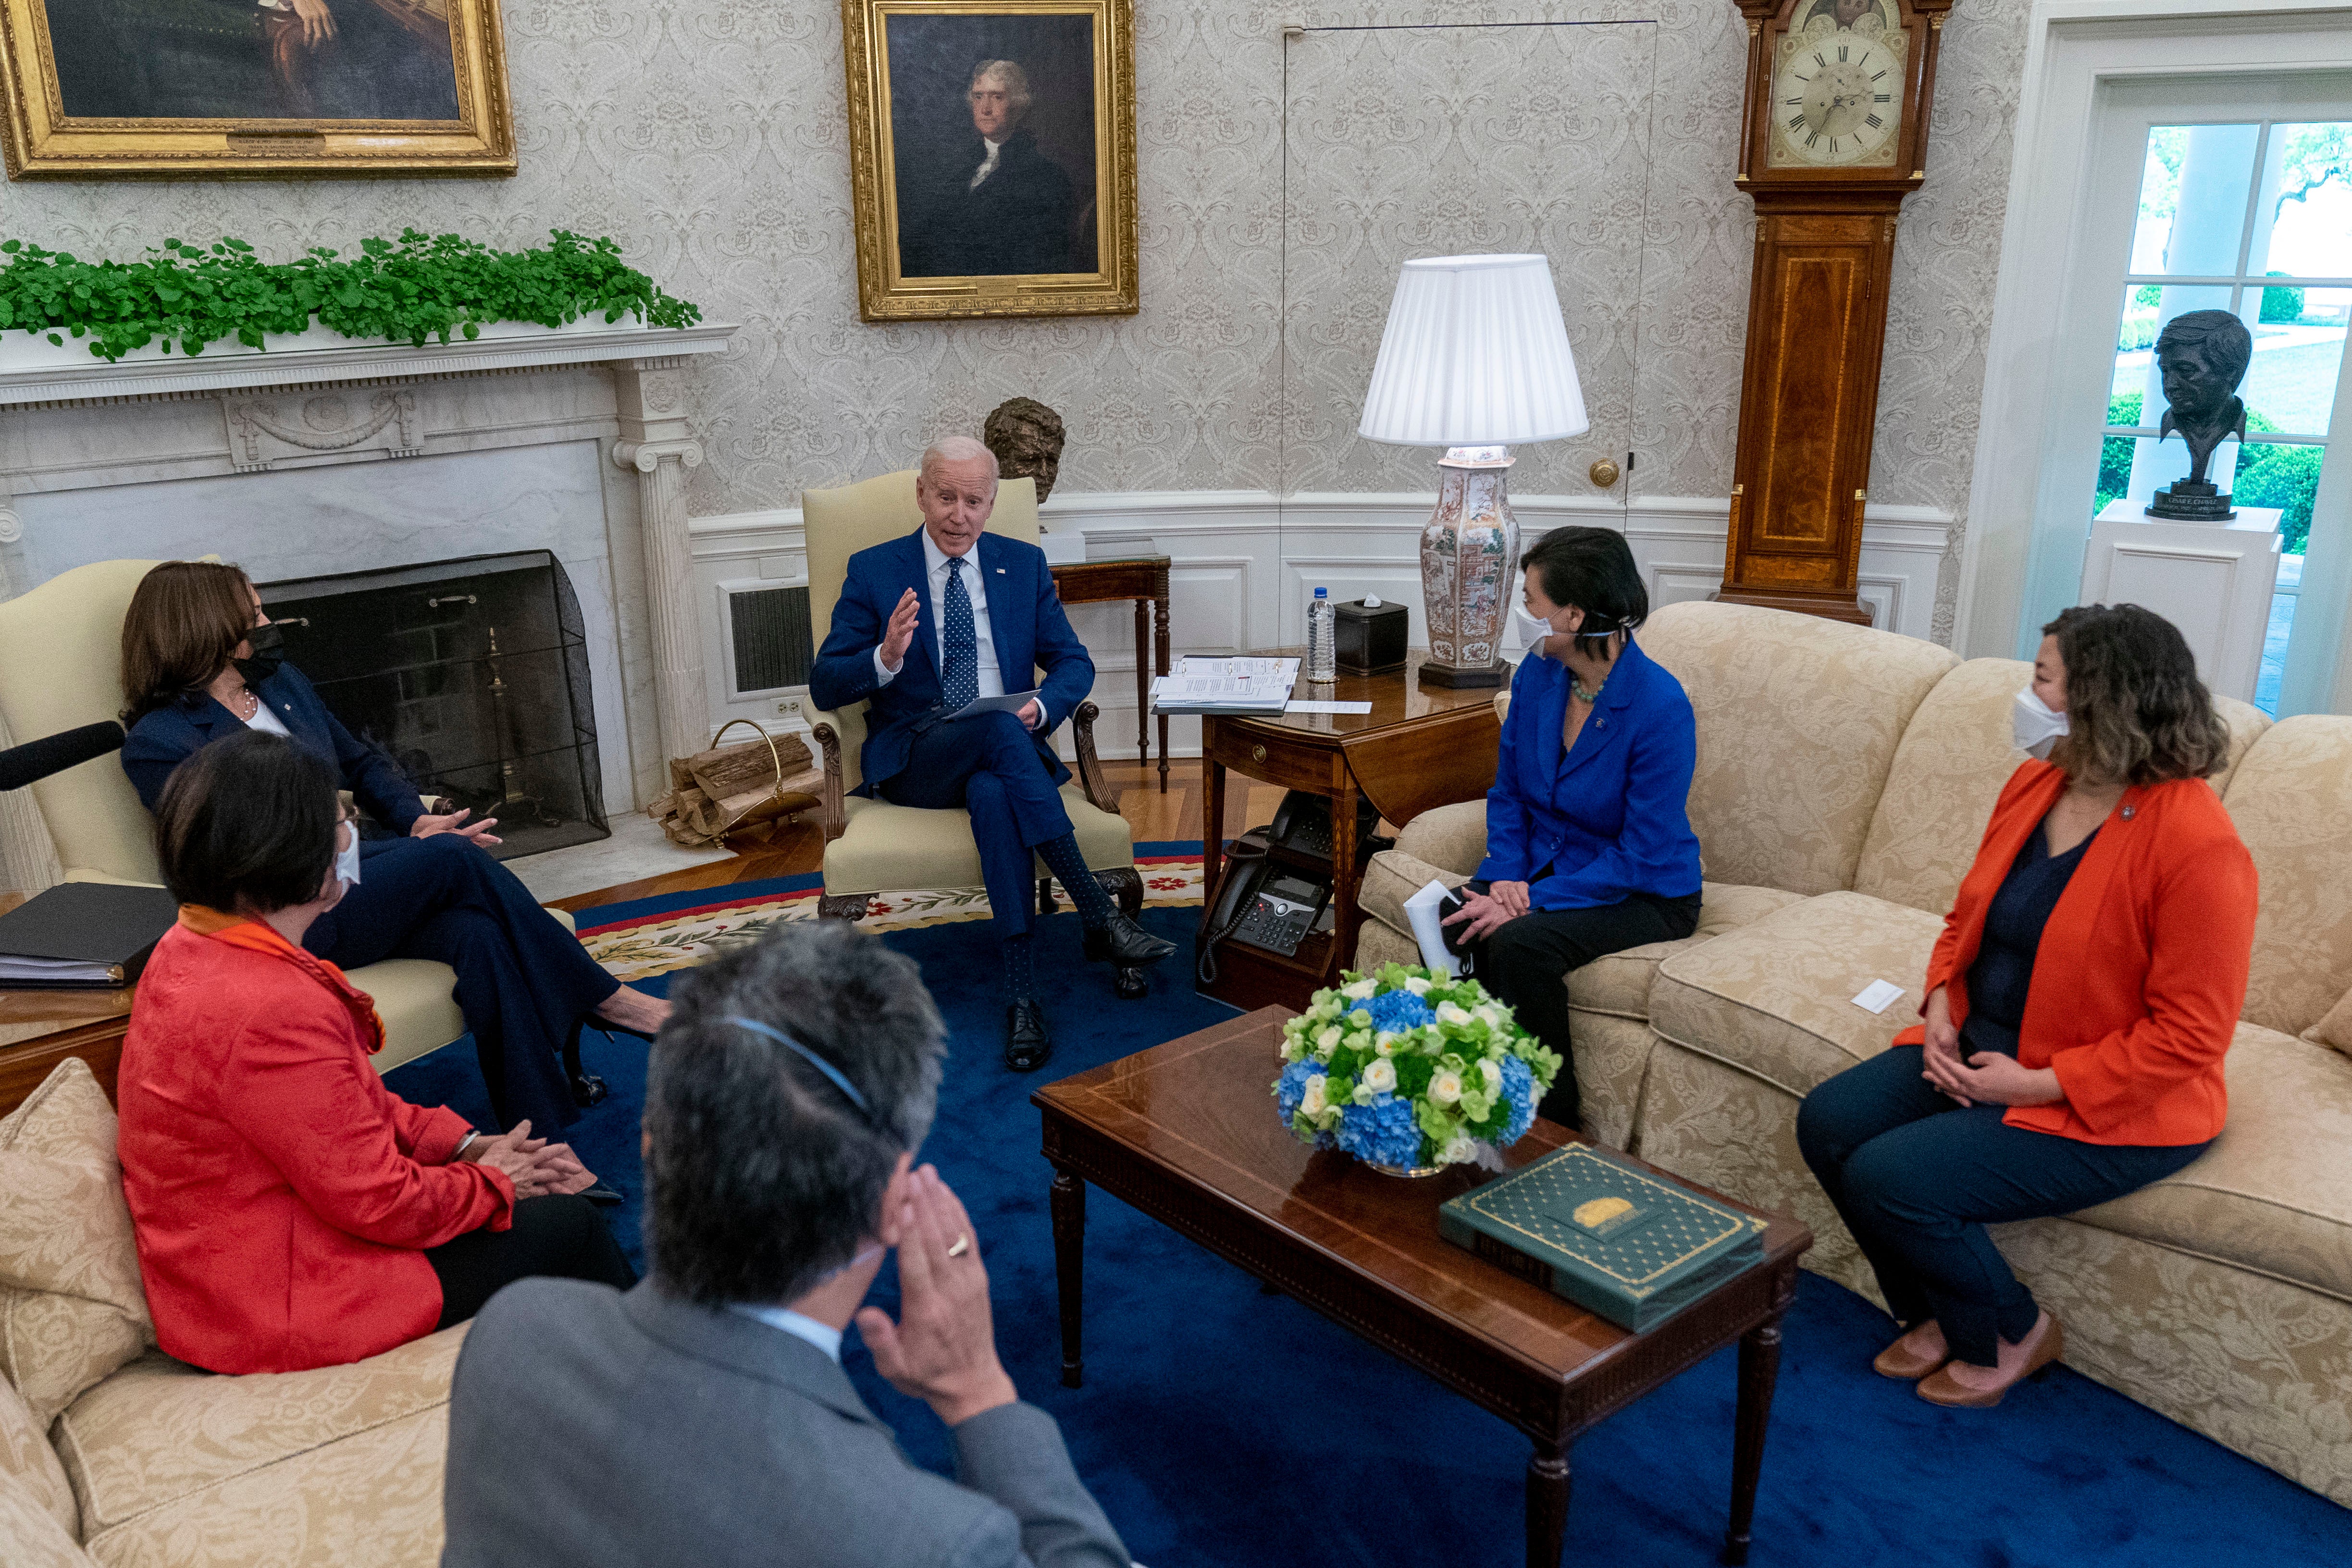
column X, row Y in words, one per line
column 992, row 121
column 255, row 59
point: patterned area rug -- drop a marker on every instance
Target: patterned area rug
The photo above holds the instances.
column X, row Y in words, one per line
column 652, row 936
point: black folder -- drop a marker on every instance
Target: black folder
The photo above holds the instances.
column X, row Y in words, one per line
column 82, row 935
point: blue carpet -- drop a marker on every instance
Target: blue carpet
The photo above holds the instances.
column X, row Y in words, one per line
column 1222, row 1426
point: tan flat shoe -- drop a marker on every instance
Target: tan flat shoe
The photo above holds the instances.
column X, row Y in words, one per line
column 1899, row 1361
column 1943, row 1388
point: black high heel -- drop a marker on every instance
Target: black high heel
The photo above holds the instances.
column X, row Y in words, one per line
column 588, row 1089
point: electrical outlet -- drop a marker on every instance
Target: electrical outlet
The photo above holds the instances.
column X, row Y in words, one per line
column 790, row 707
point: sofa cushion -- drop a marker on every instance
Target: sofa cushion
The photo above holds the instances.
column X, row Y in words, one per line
column 1775, row 999
column 1798, row 722
column 27, row 1458
column 163, row 1455
column 889, row 849
column 1620, row 983
column 1391, row 877
column 2274, row 1192
column 29, row 1537
column 1949, row 770
column 71, row 1306
column 1451, row 837
column 2291, row 798
column 2334, row 1028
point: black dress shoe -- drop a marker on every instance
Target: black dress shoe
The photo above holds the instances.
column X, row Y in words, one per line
column 601, row 1195
column 1125, row 944
column 1026, row 1046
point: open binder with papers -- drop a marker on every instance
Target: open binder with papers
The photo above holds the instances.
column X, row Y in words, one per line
column 1235, row 685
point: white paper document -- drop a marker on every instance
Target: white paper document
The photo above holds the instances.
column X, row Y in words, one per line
column 1011, row 702
column 1303, row 707
column 1225, row 685
column 1878, row 996
column 1421, row 909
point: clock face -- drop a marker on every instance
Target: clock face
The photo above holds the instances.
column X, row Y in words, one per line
column 1837, row 93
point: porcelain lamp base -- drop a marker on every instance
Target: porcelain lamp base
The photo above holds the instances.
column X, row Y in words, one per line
column 1469, row 552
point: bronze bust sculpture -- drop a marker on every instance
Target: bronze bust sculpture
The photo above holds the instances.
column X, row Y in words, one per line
column 1026, row 437
column 2203, row 355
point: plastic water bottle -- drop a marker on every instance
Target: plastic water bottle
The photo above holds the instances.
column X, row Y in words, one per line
column 1322, row 638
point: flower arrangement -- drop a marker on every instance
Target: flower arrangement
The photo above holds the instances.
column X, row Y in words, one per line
column 1407, row 1067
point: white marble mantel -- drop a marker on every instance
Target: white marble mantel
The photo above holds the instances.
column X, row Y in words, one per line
column 328, row 454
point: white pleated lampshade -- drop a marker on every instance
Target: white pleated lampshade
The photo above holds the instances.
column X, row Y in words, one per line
column 1476, row 354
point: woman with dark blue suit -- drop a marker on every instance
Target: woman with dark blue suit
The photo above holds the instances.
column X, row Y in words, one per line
column 1589, row 845
column 201, row 662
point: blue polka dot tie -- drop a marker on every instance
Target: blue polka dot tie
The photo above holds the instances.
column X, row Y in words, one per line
column 959, row 680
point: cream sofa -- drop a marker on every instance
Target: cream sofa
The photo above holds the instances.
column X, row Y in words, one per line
column 1845, row 777
column 114, row 1454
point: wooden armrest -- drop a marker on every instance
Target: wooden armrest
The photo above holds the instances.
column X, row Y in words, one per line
column 1090, row 773
column 831, row 817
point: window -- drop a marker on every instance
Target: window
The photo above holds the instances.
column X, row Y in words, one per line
column 2255, row 218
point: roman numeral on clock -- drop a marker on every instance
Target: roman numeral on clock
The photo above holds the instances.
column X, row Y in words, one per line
column 1873, row 122
column 1818, row 58
column 1881, row 98
column 1796, row 122
column 1841, row 51
column 1814, row 138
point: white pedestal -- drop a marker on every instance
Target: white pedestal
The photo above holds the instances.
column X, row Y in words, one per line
column 2213, row 581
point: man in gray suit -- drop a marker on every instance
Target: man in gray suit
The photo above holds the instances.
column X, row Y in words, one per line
column 703, row 1417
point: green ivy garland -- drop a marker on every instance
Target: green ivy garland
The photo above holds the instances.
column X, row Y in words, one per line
column 419, row 287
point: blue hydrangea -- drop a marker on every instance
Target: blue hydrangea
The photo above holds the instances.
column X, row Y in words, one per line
column 1519, row 1098
column 1394, row 1012
column 1383, row 1132
column 1291, row 1088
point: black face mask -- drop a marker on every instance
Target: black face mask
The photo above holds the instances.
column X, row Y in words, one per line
column 268, row 652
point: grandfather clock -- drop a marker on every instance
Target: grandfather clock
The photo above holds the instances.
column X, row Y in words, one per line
column 1836, row 136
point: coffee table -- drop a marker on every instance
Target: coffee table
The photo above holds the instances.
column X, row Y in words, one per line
column 1186, row 1132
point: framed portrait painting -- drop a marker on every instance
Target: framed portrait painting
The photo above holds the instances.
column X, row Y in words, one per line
column 206, row 89
column 992, row 157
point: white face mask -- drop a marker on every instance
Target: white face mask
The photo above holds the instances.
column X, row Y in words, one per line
column 1533, row 629
column 347, row 861
column 2035, row 724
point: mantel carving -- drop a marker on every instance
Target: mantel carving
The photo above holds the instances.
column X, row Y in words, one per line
column 262, row 432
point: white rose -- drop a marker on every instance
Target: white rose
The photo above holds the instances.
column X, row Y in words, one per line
column 1491, row 1015
column 1385, row 1043
column 1380, row 1076
column 1360, row 991
column 1446, row 1086
column 1449, row 1012
column 1326, row 1038
column 1459, row 1150
column 1311, row 1103
column 1492, row 1073
column 1418, row 986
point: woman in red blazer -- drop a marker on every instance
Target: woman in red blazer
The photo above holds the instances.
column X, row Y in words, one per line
column 2080, row 1000
column 292, row 1212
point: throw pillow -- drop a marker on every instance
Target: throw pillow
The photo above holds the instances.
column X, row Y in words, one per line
column 72, row 1308
column 27, row 1458
column 2335, row 1027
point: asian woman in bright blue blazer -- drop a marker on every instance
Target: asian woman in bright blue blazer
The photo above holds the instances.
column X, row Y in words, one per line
column 1589, row 842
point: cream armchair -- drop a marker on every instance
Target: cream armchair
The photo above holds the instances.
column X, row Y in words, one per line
column 872, row 846
column 61, row 667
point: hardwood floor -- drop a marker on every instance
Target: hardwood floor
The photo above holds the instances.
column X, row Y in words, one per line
column 800, row 849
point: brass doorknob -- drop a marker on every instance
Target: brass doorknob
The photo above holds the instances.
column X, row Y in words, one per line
column 1603, row 472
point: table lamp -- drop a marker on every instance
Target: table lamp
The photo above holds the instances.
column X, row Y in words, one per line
column 1474, row 359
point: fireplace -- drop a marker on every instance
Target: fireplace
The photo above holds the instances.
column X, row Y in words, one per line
column 472, row 674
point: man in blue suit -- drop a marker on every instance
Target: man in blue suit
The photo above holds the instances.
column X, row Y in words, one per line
column 924, row 625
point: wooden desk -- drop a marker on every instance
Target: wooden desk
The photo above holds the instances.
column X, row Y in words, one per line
column 40, row 1029
column 1144, row 580
column 1186, row 1132
column 1420, row 746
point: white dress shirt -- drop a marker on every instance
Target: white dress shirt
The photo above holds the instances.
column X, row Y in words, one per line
column 987, row 164
column 263, row 720
column 935, row 561
column 825, row 1336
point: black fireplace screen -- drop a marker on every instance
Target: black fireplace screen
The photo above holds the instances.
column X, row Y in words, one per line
column 472, row 674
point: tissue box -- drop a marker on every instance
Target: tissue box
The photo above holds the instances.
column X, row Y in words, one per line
column 1371, row 637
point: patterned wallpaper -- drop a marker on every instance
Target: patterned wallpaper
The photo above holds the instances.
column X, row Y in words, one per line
column 708, row 138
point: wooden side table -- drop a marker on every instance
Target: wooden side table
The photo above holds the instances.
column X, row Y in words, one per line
column 40, row 1029
column 1420, row 746
column 1143, row 578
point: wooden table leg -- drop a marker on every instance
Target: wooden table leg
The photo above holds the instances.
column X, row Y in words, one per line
column 1160, row 608
column 1143, row 683
column 1759, row 1368
column 1070, row 1267
column 1547, row 1484
column 1213, row 820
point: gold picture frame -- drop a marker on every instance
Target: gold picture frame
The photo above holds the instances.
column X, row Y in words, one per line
column 151, row 89
column 955, row 224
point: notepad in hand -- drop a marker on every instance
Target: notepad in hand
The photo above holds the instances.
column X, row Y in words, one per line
column 1011, row 702
column 82, row 935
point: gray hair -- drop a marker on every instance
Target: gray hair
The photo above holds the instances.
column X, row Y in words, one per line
column 956, row 449
column 1015, row 80
column 762, row 1174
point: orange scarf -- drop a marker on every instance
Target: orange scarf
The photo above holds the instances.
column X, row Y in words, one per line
column 258, row 936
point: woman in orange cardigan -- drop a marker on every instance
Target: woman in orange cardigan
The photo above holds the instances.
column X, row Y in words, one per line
column 2080, row 1000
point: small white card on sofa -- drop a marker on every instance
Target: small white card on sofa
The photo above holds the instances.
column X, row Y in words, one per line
column 1878, row 996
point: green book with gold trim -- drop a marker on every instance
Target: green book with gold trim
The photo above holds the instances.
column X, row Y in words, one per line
column 1591, row 1226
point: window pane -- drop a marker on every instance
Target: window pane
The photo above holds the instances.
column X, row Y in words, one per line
column 2286, row 477
column 2303, row 227
column 2145, row 308
column 2290, row 386
column 2115, row 471
column 2194, row 190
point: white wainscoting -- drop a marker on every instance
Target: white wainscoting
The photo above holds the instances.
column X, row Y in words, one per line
column 1245, row 564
